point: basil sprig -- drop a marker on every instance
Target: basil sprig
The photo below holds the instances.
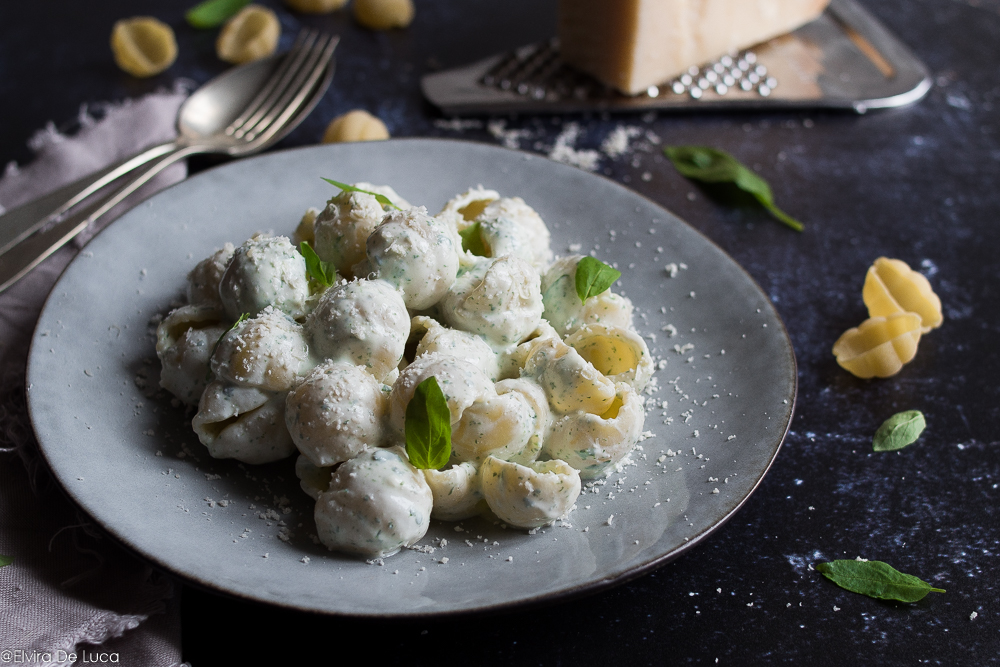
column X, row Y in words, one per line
column 213, row 13
column 428, row 426
column 876, row 580
column 711, row 165
column 898, row 431
column 381, row 199
column 6, row 560
column 472, row 239
column 593, row 277
column 322, row 272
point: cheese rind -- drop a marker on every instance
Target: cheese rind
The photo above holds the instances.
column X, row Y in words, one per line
column 633, row 44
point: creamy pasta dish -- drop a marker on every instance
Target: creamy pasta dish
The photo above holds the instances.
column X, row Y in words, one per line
column 542, row 383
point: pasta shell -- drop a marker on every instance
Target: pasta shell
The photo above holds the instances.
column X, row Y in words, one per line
column 250, row 35
column 498, row 425
column 336, row 413
column 383, row 14
column 529, row 496
column 571, row 382
column 356, row 125
column 891, row 287
column 143, row 46
column 243, row 423
column 621, row 355
column 593, row 444
column 457, row 492
column 880, row 346
column 376, row 504
column 184, row 343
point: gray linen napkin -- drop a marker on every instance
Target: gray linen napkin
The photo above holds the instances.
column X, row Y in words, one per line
column 71, row 589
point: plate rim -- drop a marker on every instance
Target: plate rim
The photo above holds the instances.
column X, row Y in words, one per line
column 551, row 597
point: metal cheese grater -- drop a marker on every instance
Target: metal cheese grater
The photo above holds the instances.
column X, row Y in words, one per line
column 845, row 59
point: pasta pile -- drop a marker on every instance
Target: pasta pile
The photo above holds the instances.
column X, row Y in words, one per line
column 542, row 386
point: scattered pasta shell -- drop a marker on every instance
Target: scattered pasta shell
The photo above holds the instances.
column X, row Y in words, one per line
column 383, row 14
column 143, row 46
column 355, row 125
column 891, row 287
column 315, row 6
column 880, row 346
column 250, row 35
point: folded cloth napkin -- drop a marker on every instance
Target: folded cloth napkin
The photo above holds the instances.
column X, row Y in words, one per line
column 71, row 593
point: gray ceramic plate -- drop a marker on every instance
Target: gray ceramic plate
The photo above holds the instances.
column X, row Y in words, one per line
column 130, row 460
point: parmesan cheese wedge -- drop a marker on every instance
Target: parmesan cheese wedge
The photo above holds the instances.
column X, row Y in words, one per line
column 633, row 44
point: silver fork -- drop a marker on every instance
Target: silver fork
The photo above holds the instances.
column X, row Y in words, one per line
column 240, row 94
column 282, row 101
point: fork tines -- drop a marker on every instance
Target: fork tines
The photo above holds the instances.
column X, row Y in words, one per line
column 287, row 86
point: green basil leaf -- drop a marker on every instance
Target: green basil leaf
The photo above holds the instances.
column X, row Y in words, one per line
column 711, row 165
column 472, row 240
column 322, row 272
column 6, row 560
column 593, row 277
column 428, row 426
column 876, row 580
column 898, row 431
column 381, row 199
column 213, row 13
column 243, row 318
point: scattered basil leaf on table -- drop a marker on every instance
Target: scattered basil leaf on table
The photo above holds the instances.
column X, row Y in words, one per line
column 898, row 431
column 322, row 272
column 243, row 318
column 428, row 426
column 213, row 13
column 593, row 277
column 876, row 580
column 381, row 199
column 712, row 165
column 472, row 239
column 6, row 560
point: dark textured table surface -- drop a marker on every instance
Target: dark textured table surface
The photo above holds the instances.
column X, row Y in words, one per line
column 918, row 183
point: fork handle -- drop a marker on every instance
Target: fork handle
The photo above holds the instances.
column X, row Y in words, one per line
column 34, row 249
column 19, row 223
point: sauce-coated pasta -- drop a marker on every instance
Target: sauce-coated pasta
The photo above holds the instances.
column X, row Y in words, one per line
column 542, row 388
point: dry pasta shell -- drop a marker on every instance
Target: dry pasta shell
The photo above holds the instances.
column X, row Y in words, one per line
column 143, row 46
column 250, row 35
column 891, row 287
column 355, row 125
column 383, row 14
column 880, row 346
